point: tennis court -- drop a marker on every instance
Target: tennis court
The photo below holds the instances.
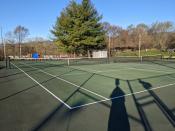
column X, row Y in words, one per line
column 99, row 94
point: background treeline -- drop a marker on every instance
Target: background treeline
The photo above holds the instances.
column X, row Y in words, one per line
column 42, row 47
column 159, row 35
column 18, row 45
column 79, row 30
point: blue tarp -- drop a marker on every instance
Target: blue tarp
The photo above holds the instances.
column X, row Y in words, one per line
column 35, row 55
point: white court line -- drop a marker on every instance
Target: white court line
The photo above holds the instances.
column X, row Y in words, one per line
column 150, row 70
column 43, row 87
column 139, row 92
column 105, row 99
column 90, row 70
column 171, row 77
column 67, row 81
column 124, row 68
column 74, row 74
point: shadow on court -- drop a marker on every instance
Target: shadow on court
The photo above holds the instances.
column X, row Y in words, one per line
column 118, row 118
column 143, row 118
column 2, row 67
column 24, row 67
column 163, row 107
column 66, row 115
column 61, row 112
column 117, row 121
column 164, row 63
column 24, row 90
column 142, row 101
column 14, row 74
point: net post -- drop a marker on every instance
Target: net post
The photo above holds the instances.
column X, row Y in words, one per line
column 141, row 59
column 68, row 61
column 161, row 57
column 9, row 64
column 107, row 60
column 6, row 62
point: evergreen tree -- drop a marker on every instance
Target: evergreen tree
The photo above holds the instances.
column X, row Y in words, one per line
column 78, row 28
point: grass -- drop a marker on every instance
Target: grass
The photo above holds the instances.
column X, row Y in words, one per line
column 144, row 53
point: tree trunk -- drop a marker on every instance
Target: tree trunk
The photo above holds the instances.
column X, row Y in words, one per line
column 19, row 50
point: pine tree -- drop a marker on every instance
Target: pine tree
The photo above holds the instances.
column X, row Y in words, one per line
column 78, row 28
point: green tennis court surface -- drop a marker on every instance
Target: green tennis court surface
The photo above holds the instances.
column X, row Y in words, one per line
column 45, row 95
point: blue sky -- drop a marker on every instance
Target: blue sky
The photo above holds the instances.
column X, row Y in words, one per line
column 39, row 15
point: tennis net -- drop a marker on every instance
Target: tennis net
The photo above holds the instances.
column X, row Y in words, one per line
column 125, row 59
column 147, row 58
column 152, row 58
column 85, row 60
column 62, row 61
column 4, row 63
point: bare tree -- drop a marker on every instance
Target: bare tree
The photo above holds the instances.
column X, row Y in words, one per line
column 21, row 33
column 171, row 41
column 160, row 32
column 9, row 41
column 106, row 28
column 159, row 35
column 115, row 34
column 141, row 31
column 112, row 32
column 9, row 38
